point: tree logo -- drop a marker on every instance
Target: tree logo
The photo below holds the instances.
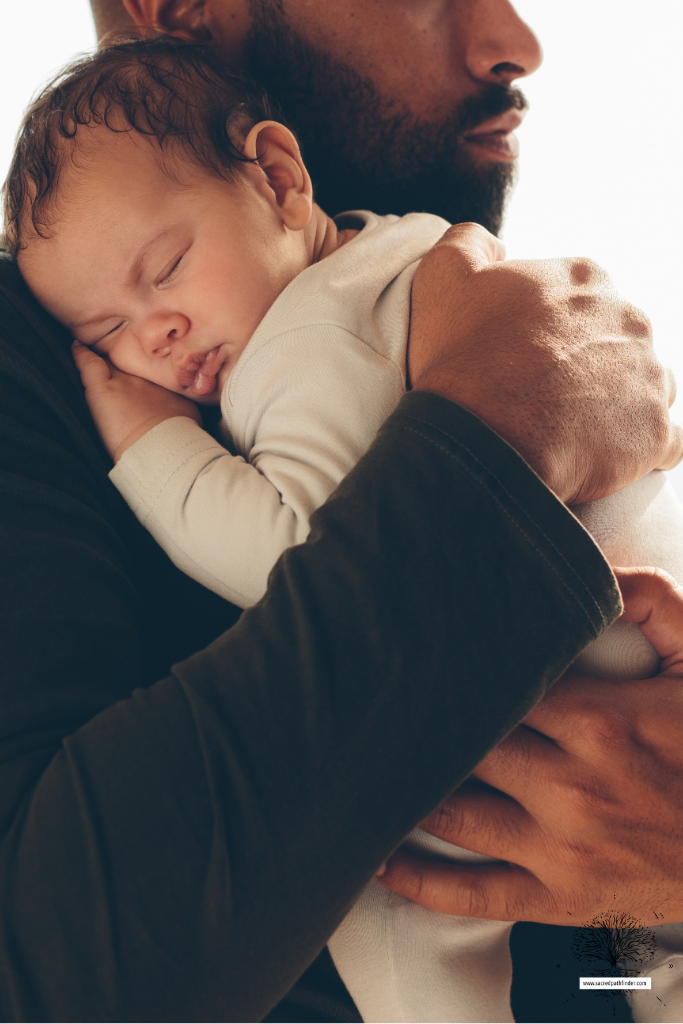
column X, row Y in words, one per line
column 615, row 945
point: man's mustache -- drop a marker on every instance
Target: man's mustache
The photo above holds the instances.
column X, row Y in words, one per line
column 494, row 101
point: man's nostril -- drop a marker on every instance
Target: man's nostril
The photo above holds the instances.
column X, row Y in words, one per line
column 505, row 68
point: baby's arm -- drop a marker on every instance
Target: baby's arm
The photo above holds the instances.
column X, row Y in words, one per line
column 305, row 407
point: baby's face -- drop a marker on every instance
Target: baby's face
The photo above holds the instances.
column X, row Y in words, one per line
column 169, row 281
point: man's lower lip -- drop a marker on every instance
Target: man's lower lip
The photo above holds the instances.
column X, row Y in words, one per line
column 502, row 146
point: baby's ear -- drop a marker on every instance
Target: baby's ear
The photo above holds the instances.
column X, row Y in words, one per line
column 279, row 157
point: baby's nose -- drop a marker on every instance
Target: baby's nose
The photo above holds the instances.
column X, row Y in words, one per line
column 162, row 331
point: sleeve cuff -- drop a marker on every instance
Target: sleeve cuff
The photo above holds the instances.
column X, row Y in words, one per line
column 146, row 468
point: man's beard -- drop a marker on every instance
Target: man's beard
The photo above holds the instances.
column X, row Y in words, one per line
column 361, row 152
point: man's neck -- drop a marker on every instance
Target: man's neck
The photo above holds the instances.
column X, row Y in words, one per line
column 111, row 18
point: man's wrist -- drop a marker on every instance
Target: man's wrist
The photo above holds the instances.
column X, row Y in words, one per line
column 538, row 455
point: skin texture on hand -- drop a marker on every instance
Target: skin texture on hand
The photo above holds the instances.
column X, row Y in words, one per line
column 583, row 801
column 548, row 355
column 123, row 407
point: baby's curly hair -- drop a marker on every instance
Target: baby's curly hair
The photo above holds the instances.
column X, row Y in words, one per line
column 179, row 94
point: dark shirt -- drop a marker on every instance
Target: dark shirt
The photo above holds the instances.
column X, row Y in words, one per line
column 181, row 832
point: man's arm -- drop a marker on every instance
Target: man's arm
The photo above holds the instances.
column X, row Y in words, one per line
column 586, row 805
column 186, row 853
column 182, row 853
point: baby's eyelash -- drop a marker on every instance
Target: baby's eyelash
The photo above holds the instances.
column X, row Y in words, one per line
column 169, row 275
column 99, row 341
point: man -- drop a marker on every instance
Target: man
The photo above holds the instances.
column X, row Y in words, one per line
column 137, row 862
column 425, row 88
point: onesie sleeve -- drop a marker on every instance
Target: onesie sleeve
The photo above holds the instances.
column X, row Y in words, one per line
column 303, row 408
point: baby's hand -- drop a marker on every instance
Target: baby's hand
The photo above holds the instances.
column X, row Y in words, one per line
column 124, row 407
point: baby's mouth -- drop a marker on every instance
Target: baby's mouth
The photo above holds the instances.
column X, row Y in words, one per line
column 199, row 375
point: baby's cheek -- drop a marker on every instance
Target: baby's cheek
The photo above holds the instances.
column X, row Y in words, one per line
column 130, row 358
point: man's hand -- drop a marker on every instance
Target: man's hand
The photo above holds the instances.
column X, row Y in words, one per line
column 587, row 808
column 124, row 407
column 547, row 355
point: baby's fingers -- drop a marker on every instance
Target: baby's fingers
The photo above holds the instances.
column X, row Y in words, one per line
column 92, row 368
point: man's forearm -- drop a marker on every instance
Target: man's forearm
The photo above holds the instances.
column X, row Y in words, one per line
column 189, row 850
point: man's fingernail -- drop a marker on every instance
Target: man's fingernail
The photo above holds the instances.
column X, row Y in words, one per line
column 380, row 870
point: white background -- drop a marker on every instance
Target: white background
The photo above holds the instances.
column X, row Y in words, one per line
column 601, row 146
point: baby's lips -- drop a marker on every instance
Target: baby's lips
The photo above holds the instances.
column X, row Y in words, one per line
column 205, row 377
column 203, row 385
column 197, row 372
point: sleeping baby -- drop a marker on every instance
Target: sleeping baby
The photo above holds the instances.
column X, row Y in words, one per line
column 166, row 217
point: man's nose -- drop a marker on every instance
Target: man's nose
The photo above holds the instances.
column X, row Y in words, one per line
column 160, row 332
column 501, row 47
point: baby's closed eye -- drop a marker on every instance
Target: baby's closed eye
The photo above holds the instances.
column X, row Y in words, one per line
column 170, row 271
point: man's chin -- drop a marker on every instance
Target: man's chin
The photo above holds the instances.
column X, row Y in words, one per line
column 477, row 189
column 366, row 150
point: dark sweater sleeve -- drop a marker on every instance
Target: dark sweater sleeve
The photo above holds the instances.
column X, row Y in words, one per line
column 183, row 853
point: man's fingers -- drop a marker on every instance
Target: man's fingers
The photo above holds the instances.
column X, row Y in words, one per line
column 92, row 368
column 494, row 892
column 508, row 766
column 475, row 247
column 484, row 821
column 573, row 709
column 654, row 600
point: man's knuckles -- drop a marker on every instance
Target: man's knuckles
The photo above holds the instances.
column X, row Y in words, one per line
column 473, row 245
column 584, row 272
column 635, row 323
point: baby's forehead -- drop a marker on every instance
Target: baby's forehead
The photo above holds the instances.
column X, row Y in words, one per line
column 109, row 176
column 112, row 190
column 99, row 154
